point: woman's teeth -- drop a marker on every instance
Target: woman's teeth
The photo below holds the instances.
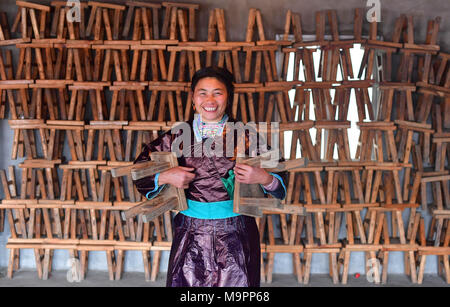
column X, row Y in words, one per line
column 210, row 109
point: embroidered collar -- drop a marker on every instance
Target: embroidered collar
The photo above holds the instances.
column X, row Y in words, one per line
column 207, row 130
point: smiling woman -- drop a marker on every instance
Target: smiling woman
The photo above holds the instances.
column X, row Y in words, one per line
column 210, row 100
column 220, row 81
column 212, row 245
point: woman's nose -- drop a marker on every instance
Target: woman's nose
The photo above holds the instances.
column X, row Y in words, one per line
column 210, row 98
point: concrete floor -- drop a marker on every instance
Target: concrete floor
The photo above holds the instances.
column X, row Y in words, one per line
column 25, row 278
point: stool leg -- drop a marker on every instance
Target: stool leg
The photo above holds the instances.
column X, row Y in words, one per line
column 346, row 265
column 334, row 269
column 447, row 268
column 407, row 264
column 17, row 259
column 421, row 269
column 145, row 257
column 37, row 256
column 440, row 266
column 308, row 258
column 11, row 261
column 412, row 265
column 269, row 270
column 83, row 256
column 118, row 267
column 155, row 265
column 298, row 267
column 46, row 266
column 263, row 271
column 385, row 267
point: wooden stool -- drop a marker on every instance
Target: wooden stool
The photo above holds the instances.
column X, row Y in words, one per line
column 59, row 16
column 278, row 94
column 295, row 250
column 402, row 245
column 96, row 16
column 161, row 227
column 291, row 237
column 437, row 76
column 372, row 190
column 28, row 7
column 146, row 131
column 19, row 111
column 374, row 48
column 30, row 210
column 77, row 103
column 6, row 68
column 440, row 231
column 441, row 252
column 166, row 90
column 48, row 245
column 109, row 137
column 171, row 19
column 226, row 53
column 338, row 184
column 273, row 247
column 121, row 247
column 329, row 246
column 105, row 234
column 293, row 20
column 370, row 249
column 74, row 131
column 371, row 133
column 23, row 128
column 14, row 255
column 142, row 7
column 405, row 136
column 336, row 53
column 16, row 218
column 332, row 250
column 423, row 51
column 76, row 224
column 85, row 246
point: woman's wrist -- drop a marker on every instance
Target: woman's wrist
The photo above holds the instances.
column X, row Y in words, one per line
column 161, row 179
column 267, row 179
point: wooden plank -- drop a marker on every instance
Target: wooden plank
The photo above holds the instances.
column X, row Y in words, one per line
column 107, row 5
column 154, row 168
column 30, row 5
column 171, row 158
column 182, row 5
column 150, row 213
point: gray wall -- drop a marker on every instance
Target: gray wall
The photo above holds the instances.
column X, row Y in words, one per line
column 273, row 13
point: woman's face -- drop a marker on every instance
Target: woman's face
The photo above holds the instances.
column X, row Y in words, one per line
column 210, row 99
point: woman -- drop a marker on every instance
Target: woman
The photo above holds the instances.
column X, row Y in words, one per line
column 212, row 245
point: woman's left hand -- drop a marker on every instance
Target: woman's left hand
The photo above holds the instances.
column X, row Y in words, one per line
column 251, row 175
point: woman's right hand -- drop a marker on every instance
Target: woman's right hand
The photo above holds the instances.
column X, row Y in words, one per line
column 179, row 177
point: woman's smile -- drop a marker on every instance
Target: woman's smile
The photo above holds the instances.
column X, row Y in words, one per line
column 210, row 109
column 210, row 99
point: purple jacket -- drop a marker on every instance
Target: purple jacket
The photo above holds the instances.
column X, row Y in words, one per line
column 207, row 185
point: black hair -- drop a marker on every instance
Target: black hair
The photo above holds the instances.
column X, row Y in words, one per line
column 221, row 74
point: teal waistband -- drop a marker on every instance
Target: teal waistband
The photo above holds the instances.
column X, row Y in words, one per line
column 210, row 211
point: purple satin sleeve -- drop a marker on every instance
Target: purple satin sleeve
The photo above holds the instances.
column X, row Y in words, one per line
column 273, row 185
column 147, row 184
column 276, row 188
